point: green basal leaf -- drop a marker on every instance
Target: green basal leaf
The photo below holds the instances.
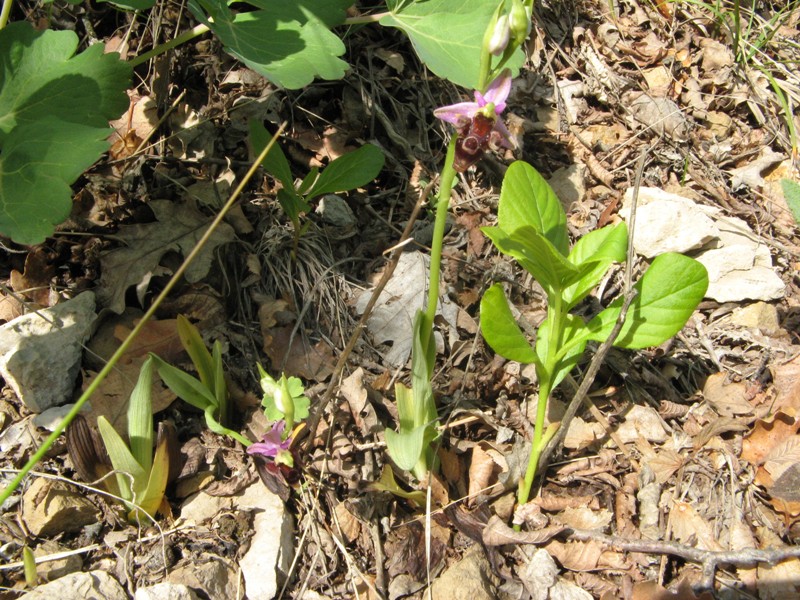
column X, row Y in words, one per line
column 791, row 192
column 526, row 199
column 447, row 35
column 187, row 388
column 598, row 250
column 309, row 179
column 131, row 477
column 220, row 385
column 500, row 329
column 195, row 347
column 349, row 171
column 423, row 360
column 275, row 163
column 537, row 255
column 405, row 408
column 153, row 494
column 387, row 483
column 140, row 416
column 54, row 113
column 669, row 291
column 407, row 447
column 289, row 43
column 292, row 204
column 572, row 344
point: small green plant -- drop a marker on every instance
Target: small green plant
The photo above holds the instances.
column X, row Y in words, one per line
column 142, row 473
column 347, row 172
column 791, row 192
column 531, row 228
column 210, row 392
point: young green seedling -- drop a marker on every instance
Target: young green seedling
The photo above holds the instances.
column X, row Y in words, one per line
column 531, row 228
column 141, row 474
column 349, row 171
column 210, row 392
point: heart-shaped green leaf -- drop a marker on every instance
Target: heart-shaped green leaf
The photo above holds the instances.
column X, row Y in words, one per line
column 447, row 36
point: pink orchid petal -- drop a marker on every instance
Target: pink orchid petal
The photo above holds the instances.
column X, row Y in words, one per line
column 498, row 91
column 457, row 114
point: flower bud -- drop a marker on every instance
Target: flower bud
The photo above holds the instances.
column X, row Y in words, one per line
column 519, row 22
column 500, row 36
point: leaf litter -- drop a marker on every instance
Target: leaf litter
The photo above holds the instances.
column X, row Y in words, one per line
column 709, row 419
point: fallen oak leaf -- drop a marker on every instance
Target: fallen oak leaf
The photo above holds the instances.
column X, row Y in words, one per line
column 497, row 533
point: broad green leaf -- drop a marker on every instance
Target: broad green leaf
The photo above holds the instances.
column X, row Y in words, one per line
column 54, row 112
column 527, row 199
column 572, row 344
column 535, row 254
column 669, row 291
column 131, row 477
column 292, row 204
column 195, row 347
column 500, row 329
column 406, row 448
column 187, row 388
column 597, row 249
column 275, row 162
column 289, row 43
column 447, row 36
column 349, row 171
column 140, row 416
column 791, row 192
column 220, row 385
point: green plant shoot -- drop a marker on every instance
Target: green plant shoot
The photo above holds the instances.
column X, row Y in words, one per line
column 210, row 392
column 283, row 399
column 531, row 228
column 141, row 474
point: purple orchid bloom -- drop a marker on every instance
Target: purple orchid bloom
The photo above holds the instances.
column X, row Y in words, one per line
column 272, row 444
column 478, row 122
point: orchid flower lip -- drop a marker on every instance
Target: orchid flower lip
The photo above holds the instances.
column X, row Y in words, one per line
column 271, row 443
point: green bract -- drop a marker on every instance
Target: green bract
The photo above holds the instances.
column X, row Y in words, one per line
column 283, row 398
column 531, row 228
column 54, row 113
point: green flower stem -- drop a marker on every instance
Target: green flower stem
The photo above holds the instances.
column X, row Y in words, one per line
column 555, row 326
column 5, row 12
column 167, row 46
column 442, row 204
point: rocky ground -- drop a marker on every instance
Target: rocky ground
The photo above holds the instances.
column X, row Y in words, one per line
column 679, row 478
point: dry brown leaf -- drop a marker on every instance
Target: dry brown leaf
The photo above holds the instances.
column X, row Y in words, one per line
column 497, row 533
column 782, row 456
column 483, row 472
column 651, row 590
column 347, row 522
column 355, row 392
column 642, row 422
column 716, row 55
column 727, row 398
column 34, row 282
column 786, row 380
column 666, row 462
column 301, row 360
column 10, row 308
column 577, row 556
column 717, row 427
column 555, row 502
column 779, row 582
column 690, row 528
column 583, row 517
column 766, row 434
column 582, row 434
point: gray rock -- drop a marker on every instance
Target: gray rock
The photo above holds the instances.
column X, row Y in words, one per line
column 165, row 591
column 40, row 353
column 268, row 559
column 211, row 574
column 51, row 570
column 79, row 586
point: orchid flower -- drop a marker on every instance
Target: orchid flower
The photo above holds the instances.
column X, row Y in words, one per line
column 490, row 104
column 273, row 446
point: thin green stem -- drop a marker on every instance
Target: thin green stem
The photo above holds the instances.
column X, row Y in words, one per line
column 5, row 12
column 167, row 46
column 442, row 204
column 92, row 388
column 364, row 19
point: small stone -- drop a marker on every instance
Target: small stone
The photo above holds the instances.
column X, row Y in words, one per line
column 272, row 545
column 40, row 353
column 53, row 569
column 166, row 591
column 471, row 577
column 569, row 185
column 211, row 575
column 50, row 508
column 79, row 586
column 758, row 315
